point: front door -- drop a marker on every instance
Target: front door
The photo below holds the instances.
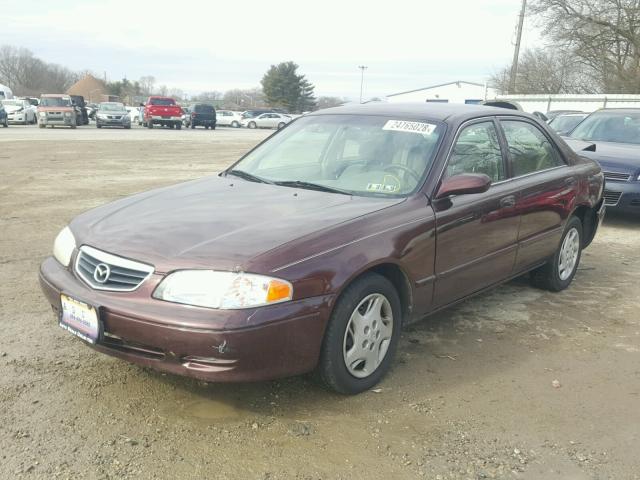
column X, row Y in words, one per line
column 476, row 234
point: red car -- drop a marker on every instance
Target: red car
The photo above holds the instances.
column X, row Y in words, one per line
column 162, row 111
column 319, row 245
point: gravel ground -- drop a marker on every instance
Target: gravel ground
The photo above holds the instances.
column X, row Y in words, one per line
column 515, row 383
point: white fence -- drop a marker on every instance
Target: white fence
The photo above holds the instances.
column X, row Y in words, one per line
column 584, row 103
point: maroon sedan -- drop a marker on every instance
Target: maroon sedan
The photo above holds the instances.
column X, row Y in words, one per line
column 314, row 249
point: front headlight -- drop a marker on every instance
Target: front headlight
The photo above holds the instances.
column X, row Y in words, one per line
column 222, row 290
column 102, row 117
column 63, row 246
column 67, row 114
column 43, row 114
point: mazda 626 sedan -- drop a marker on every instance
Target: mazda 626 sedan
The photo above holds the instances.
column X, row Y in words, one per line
column 315, row 248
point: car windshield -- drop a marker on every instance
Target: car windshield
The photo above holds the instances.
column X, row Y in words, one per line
column 111, row 107
column 13, row 103
column 618, row 127
column 356, row 154
column 162, row 101
column 565, row 123
column 55, row 102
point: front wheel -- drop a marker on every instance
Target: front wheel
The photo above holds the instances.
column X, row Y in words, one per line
column 178, row 126
column 149, row 124
column 557, row 274
column 362, row 335
column 252, row 125
column 281, row 125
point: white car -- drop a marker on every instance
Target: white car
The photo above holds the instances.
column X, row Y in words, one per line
column 267, row 120
column 227, row 118
column 135, row 114
column 20, row 111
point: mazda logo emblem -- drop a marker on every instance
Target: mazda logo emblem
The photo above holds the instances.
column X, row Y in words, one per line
column 101, row 273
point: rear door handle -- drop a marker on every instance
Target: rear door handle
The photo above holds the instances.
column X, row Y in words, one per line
column 508, row 201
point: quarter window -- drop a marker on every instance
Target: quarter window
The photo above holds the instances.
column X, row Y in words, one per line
column 529, row 148
column 477, row 150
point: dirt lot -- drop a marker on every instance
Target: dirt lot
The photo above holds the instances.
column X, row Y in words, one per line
column 471, row 395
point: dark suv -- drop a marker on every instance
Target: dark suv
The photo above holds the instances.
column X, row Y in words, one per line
column 202, row 115
column 82, row 117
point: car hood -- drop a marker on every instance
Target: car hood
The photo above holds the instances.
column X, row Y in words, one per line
column 617, row 156
column 12, row 108
column 55, row 109
column 215, row 222
column 113, row 112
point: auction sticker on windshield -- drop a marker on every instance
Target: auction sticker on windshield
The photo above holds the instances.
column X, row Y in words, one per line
column 413, row 127
column 79, row 319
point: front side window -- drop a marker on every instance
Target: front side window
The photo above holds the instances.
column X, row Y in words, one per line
column 529, row 148
column 364, row 155
column 477, row 150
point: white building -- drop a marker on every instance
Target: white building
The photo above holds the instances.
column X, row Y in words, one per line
column 583, row 103
column 452, row 92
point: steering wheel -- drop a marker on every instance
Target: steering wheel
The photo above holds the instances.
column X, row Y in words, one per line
column 403, row 169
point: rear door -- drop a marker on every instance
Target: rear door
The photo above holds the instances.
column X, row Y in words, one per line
column 547, row 190
column 476, row 234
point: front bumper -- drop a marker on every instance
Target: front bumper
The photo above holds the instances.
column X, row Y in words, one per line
column 64, row 121
column 111, row 122
column 623, row 196
column 212, row 345
column 17, row 118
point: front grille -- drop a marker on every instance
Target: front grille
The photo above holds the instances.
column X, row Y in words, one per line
column 104, row 271
column 611, row 199
column 114, row 117
column 615, row 176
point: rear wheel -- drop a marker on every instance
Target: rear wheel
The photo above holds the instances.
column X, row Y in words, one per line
column 193, row 126
column 149, row 124
column 280, row 125
column 178, row 126
column 557, row 274
column 362, row 335
column 235, row 124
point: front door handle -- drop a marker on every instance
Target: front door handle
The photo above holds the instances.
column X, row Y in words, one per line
column 508, row 201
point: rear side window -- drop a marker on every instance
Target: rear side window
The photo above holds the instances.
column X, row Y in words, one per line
column 204, row 109
column 477, row 150
column 529, row 148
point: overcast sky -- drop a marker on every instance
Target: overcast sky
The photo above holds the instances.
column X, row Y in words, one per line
column 219, row 45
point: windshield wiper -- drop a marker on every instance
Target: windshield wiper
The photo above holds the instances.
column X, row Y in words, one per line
column 248, row 176
column 311, row 186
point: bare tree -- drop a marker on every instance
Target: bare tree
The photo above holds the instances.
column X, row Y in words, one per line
column 602, row 35
column 147, row 84
column 545, row 70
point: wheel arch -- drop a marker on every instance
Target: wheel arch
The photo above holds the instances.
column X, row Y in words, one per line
column 589, row 219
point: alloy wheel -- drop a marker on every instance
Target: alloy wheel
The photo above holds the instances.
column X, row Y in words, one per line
column 568, row 254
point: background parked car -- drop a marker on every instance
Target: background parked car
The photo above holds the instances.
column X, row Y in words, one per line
column 267, row 120
column 201, row 115
column 112, row 114
column 20, row 111
column 56, row 109
column 613, row 137
column 551, row 114
column 134, row 115
column 3, row 116
column 162, row 111
column 186, row 111
column 82, row 116
column 228, row 118
column 256, row 112
column 566, row 122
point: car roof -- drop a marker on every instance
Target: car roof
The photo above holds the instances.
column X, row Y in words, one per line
column 434, row 111
column 618, row 110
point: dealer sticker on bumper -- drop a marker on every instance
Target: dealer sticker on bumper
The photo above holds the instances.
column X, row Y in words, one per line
column 79, row 319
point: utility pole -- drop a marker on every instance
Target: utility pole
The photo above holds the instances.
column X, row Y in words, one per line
column 516, row 52
column 362, row 68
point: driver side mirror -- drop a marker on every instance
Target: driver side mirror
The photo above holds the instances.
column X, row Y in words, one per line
column 464, row 184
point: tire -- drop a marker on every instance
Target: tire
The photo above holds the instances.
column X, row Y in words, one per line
column 252, row 125
column 98, row 126
column 178, row 126
column 73, row 127
column 149, row 124
column 127, row 127
column 362, row 373
column 213, row 127
column 281, row 125
column 41, row 125
column 193, row 126
column 558, row 272
column 235, row 124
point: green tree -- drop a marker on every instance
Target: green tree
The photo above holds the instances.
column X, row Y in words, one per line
column 284, row 87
